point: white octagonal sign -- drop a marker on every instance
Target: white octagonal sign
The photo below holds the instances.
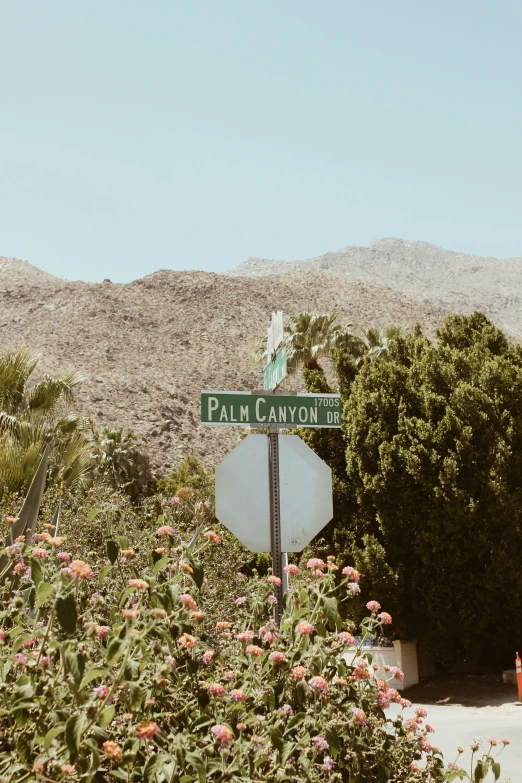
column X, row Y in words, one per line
column 243, row 493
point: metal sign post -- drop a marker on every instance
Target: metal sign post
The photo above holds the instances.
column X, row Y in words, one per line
column 273, row 494
column 275, row 518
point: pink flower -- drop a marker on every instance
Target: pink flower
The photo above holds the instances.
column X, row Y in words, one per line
column 277, row 657
column 240, row 601
column 253, row 649
column 211, row 536
column 353, row 588
column 20, row 659
column 271, row 599
column 419, row 711
column 425, row 745
column 157, row 612
column 245, row 636
column 101, row 691
column 2, row 637
column 64, row 557
column 274, row 580
column 165, row 530
column 236, row 695
column 318, row 684
column 102, row 631
column 19, row 568
column 292, row 569
column 453, row 765
column 216, row 689
column 373, row 606
column 352, row 573
column 328, row 764
column 320, row 743
column 37, row 552
column 385, row 618
column 315, row 562
column 405, row 703
column 45, row 661
column 175, row 501
column 415, row 767
column 222, row 734
column 304, row 628
column 207, row 656
column 399, row 675
column 359, row 715
column 222, row 625
column 68, row 769
column 298, row 673
column 187, row 599
column 347, row 638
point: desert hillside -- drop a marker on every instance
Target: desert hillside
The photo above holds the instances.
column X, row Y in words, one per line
column 149, row 347
column 454, row 281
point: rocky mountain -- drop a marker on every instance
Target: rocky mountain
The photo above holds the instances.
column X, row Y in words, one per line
column 148, row 348
column 454, row 281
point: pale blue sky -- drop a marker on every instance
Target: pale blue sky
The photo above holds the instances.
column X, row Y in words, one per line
column 146, row 134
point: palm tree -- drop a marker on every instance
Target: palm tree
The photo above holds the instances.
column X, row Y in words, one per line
column 377, row 342
column 312, row 336
column 32, row 416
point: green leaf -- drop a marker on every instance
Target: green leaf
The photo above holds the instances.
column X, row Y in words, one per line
column 153, row 765
column 73, row 733
column 36, row 571
column 92, row 513
column 66, row 613
column 106, row 717
column 135, row 697
column 332, row 739
column 75, row 665
column 93, row 674
column 114, row 650
column 103, row 573
column 321, row 630
column 159, row 565
column 329, row 606
column 495, row 768
column 44, row 592
column 52, row 734
column 23, row 746
column 457, row 773
column 277, row 739
column 295, row 720
column 203, row 720
column 197, row 568
column 480, row 772
column 112, row 551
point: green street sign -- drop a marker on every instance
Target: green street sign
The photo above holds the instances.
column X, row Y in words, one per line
column 262, row 410
column 275, row 372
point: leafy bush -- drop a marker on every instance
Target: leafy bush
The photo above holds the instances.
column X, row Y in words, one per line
column 112, row 672
column 428, row 470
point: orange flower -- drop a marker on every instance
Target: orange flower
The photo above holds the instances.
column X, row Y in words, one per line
column 187, row 641
column 57, row 541
column 130, row 614
column 147, row 729
column 112, row 749
column 128, row 552
column 81, row 569
column 140, row 584
column 11, row 520
column 185, row 567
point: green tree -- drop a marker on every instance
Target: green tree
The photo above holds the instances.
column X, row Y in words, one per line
column 34, row 414
column 434, row 457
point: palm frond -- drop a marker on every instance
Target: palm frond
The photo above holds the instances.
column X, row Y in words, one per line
column 47, row 394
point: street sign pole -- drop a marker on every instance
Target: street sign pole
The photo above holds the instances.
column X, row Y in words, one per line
column 275, row 518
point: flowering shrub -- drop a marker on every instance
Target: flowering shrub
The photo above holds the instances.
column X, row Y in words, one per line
column 112, row 672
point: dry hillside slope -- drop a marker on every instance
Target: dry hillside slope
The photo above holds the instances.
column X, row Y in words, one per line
column 149, row 347
column 455, row 281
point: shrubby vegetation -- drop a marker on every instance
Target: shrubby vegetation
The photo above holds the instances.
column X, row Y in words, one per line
column 110, row 669
column 136, row 644
column 428, row 483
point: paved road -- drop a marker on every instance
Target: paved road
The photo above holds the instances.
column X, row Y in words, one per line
column 455, row 725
